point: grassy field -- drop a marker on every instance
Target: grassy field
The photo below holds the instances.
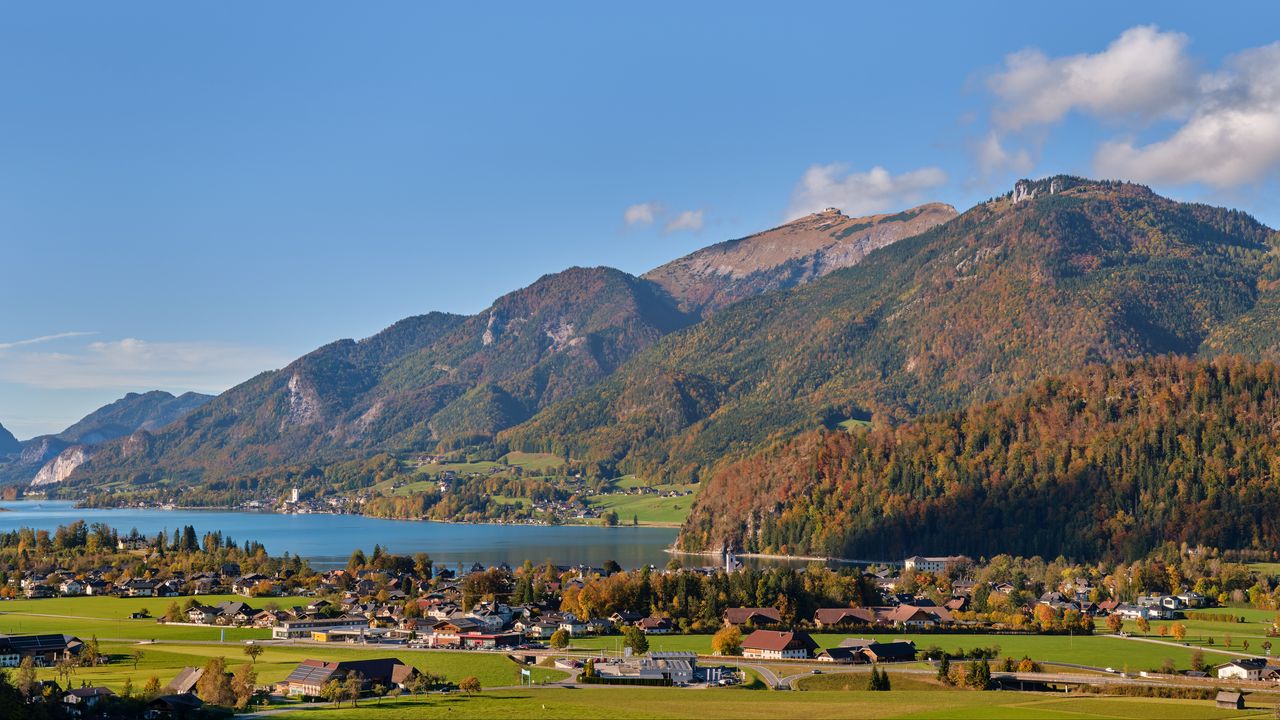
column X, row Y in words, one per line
column 533, row 461
column 164, row 660
column 107, row 617
column 647, row 509
column 858, row 681
column 667, row 703
column 113, row 608
column 1096, row 650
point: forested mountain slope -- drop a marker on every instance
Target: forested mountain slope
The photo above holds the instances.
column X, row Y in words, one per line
column 428, row 380
column 1104, row 462
column 1060, row 273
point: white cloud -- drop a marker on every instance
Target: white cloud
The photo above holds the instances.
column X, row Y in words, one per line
column 43, row 339
column 992, row 156
column 1232, row 137
column 641, row 213
column 137, row 365
column 876, row 190
column 1227, row 123
column 1144, row 73
column 687, row 220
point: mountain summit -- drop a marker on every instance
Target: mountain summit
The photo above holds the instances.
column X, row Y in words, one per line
column 8, row 443
column 788, row 255
column 1042, row 280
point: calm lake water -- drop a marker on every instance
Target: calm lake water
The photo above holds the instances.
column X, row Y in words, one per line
column 328, row 540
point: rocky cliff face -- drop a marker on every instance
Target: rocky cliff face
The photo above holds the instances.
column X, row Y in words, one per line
column 43, row 456
column 786, row 256
column 61, row 467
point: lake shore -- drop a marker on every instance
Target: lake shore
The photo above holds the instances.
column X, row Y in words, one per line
column 773, row 556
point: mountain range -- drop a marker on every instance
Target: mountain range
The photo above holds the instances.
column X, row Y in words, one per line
column 440, row 381
column 700, row 365
column 1059, row 274
column 50, row 458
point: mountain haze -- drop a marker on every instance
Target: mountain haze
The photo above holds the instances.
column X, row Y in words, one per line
column 51, row 458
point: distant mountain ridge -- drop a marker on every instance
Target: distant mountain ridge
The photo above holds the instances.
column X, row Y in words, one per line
column 29, row 460
column 786, row 256
column 8, row 443
column 134, row 411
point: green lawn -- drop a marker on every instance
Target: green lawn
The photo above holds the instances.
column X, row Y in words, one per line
column 533, row 461
column 114, row 608
column 648, row 509
column 1096, row 650
column 858, row 681
column 107, row 617
column 164, row 660
column 738, row 703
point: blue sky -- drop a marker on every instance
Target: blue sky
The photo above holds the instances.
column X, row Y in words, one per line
column 204, row 190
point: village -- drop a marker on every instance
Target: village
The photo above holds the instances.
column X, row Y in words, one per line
column 532, row 616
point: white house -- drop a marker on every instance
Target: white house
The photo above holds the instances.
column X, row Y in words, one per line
column 1243, row 669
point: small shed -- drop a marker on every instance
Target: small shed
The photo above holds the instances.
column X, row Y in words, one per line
column 1230, row 700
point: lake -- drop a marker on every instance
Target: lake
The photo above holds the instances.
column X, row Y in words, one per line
column 328, row 540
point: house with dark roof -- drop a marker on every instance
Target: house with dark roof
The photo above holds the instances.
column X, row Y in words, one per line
column 915, row 616
column 43, row 649
column 81, row 700
column 655, row 625
column 752, row 616
column 171, row 707
column 775, row 645
column 1243, row 669
column 835, row 617
column 310, row 676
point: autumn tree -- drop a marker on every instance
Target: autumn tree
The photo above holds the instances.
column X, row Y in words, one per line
column 727, row 641
column 243, row 685
column 470, row 685
column 352, row 687
column 214, row 687
column 1115, row 623
column 26, row 679
column 560, row 639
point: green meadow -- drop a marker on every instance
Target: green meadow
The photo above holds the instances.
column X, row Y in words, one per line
column 1096, row 650
column 165, row 660
column 738, row 703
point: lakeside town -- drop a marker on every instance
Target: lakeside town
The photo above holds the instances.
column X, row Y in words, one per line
column 609, row 626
